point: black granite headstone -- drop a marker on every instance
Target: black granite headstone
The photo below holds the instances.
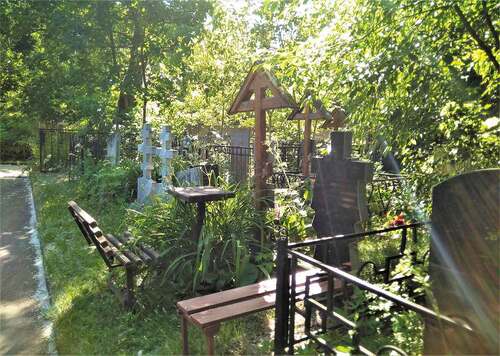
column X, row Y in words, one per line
column 465, row 263
column 339, row 197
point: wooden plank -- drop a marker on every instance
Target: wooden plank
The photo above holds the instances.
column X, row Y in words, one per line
column 133, row 248
column 246, row 307
column 82, row 213
column 197, row 304
column 307, row 142
column 155, row 256
column 273, row 102
column 126, row 257
column 311, row 116
column 200, row 194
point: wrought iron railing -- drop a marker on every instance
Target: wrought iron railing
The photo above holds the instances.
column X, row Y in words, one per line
column 65, row 149
column 339, row 286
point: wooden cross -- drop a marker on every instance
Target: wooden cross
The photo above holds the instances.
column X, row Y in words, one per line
column 260, row 92
column 304, row 113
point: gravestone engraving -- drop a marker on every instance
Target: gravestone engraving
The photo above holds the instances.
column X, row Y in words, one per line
column 113, row 148
column 339, row 198
column 464, row 263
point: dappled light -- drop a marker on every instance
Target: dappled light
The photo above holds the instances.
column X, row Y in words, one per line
column 249, row 177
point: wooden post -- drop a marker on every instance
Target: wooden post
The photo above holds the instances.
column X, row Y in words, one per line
column 260, row 138
column 260, row 92
column 184, row 334
column 307, row 142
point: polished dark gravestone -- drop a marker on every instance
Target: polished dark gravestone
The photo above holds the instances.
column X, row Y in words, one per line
column 464, row 263
column 339, row 198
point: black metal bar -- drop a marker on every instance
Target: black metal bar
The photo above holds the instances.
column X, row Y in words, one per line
column 404, row 235
column 291, row 327
column 350, row 236
column 308, row 309
column 282, row 297
column 426, row 312
column 41, row 147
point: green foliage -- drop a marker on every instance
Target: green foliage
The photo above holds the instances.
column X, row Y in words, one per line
column 221, row 257
column 86, row 314
column 293, row 214
column 103, row 182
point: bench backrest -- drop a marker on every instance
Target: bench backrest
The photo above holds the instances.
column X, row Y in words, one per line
column 91, row 232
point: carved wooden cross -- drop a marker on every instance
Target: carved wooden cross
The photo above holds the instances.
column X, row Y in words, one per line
column 260, row 92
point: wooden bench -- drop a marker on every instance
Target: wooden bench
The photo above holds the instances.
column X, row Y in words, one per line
column 117, row 252
column 207, row 312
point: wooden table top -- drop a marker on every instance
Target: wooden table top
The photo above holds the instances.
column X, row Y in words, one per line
column 200, row 194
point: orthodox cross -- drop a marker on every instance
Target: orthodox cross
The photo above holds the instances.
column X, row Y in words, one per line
column 260, row 92
column 305, row 113
column 339, row 198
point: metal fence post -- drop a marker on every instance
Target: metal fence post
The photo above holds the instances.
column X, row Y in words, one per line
column 41, row 147
column 282, row 297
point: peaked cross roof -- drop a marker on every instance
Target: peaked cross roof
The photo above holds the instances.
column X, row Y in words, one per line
column 320, row 113
column 261, row 78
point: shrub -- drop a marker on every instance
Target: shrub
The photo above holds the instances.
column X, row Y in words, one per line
column 104, row 182
column 221, row 258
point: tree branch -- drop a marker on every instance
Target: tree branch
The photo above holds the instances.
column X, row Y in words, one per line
column 478, row 39
column 487, row 17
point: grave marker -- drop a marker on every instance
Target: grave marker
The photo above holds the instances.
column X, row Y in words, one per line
column 465, row 262
column 339, row 197
column 319, row 113
column 260, row 92
column 113, row 148
column 146, row 186
column 166, row 153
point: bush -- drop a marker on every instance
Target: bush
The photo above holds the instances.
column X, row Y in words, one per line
column 14, row 151
column 103, row 182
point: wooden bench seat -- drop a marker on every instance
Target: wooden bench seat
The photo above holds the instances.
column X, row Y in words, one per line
column 117, row 252
column 207, row 312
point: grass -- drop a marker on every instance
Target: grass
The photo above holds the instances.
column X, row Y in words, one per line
column 88, row 318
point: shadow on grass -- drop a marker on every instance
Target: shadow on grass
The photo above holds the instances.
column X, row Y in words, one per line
column 95, row 323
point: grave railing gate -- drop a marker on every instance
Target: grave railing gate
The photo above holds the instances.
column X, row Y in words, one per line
column 286, row 309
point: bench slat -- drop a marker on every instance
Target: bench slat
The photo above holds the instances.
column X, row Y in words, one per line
column 118, row 245
column 83, row 214
column 263, row 302
column 155, row 256
column 129, row 238
column 197, row 304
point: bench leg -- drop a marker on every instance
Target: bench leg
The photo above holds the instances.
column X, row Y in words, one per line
column 185, row 335
column 129, row 298
column 209, row 335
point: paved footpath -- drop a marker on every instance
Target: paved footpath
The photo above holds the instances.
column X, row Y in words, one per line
column 23, row 291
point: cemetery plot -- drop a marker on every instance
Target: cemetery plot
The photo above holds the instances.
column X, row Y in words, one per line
column 463, row 261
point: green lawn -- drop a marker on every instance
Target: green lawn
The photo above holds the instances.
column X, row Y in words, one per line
column 88, row 318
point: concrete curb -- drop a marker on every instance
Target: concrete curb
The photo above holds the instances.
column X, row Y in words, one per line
column 41, row 294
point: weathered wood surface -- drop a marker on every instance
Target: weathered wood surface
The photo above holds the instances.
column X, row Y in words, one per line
column 200, row 194
column 250, row 306
column 213, row 300
column 252, row 97
column 207, row 312
column 116, row 252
